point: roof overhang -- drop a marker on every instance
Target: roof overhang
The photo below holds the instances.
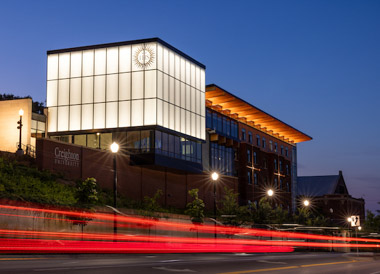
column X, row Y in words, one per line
column 227, row 103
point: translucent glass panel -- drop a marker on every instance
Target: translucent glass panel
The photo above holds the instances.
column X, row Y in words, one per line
column 52, row 119
column 132, row 85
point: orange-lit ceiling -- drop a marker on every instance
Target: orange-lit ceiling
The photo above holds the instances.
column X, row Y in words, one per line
column 226, row 103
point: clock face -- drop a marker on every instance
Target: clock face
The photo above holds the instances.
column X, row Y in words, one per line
column 144, row 57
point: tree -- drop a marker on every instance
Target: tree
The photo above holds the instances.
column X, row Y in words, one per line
column 195, row 208
column 151, row 204
column 372, row 222
column 86, row 191
column 231, row 213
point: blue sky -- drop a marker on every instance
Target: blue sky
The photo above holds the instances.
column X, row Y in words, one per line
column 313, row 64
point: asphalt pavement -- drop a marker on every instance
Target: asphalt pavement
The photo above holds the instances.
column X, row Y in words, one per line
column 238, row 263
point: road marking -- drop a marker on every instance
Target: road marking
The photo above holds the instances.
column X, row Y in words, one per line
column 19, row 259
column 286, row 267
column 270, row 262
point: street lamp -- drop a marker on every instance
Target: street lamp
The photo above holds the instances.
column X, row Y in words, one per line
column 306, row 203
column 215, row 177
column 114, row 149
column 270, row 192
column 19, row 150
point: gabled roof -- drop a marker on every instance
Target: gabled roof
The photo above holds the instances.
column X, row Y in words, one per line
column 312, row 186
column 245, row 112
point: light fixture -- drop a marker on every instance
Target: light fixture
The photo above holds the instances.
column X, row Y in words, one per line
column 270, row 192
column 306, row 202
column 114, row 147
column 21, row 112
column 215, row 176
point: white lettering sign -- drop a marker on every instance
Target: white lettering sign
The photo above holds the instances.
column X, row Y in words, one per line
column 66, row 157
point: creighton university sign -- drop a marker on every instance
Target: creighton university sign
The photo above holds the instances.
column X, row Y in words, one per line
column 66, row 157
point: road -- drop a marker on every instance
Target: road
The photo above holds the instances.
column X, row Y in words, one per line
column 192, row 263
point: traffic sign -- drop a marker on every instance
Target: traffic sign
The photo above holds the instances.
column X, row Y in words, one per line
column 355, row 220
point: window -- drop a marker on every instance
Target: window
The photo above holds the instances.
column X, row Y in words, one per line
column 281, row 183
column 249, row 159
column 208, row 119
column 255, row 157
column 249, row 177
column 243, row 134
column 282, row 150
column 275, row 147
column 270, row 145
column 255, row 179
column 258, row 140
column 250, row 137
column 275, row 165
column 287, row 169
column 264, row 143
column 275, row 182
column 287, row 187
column 286, row 152
column 281, row 170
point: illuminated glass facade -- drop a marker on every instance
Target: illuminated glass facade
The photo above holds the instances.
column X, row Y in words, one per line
column 130, row 84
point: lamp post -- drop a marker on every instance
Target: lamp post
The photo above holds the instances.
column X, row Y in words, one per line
column 19, row 150
column 306, row 203
column 114, row 149
column 215, row 177
column 270, row 192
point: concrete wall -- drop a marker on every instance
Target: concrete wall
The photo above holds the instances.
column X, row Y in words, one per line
column 9, row 115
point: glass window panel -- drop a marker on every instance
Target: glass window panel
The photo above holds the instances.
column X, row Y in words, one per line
column 177, row 66
column 188, row 72
column 183, row 69
column 52, row 93
column 183, row 95
column 64, row 65
column 105, row 140
column 159, row 57
column 137, row 85
column 87, row 90
column 80, row 140
column 88, row 63
column 93, row 140
column 75, row 91
column 166, row 115
column 133, row 140
column 100, row 61
column 63, row 92
column 124, row 86
column 203, row 130
column 198, row 126
column 171, row 144
column 171, row 63
column 177, row 119
column 99, row 115
column 177, row 94
column 125, row 59
column 193, row 124
column 112, row 92
column 41, row 126
column 112, row 60
column 171, row 117
column 166, row 60
column 99, row 89
column 192, row 99
column 188, row 123
column 75, row 117
column 159, row 84
column 165, row 147
column 150, row 112
column 52, row 64
column 171, row 90
column 159, row 113
column 197, row 78
column 146, row 140
column 203, row 81
column 136, row 49
column 87, row 115
column 197, row 101
column 111, row 115
column 202, row 104
column 124, row 114
column 158, row 141
column 188, row 96
column 166, row 87
column 76, row 64
column 63, row 118
column 52, row 119
column 151, row 50
column 150, row 84
column 137, row 112
column 183, row 121
column 192, row 75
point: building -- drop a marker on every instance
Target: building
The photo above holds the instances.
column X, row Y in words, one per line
column 33, row 125
column 151, row 98
column 330, row 196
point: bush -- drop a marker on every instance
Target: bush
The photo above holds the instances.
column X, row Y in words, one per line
column 195, row 209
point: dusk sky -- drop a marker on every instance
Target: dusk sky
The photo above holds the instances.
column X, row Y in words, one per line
column 313, row 64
